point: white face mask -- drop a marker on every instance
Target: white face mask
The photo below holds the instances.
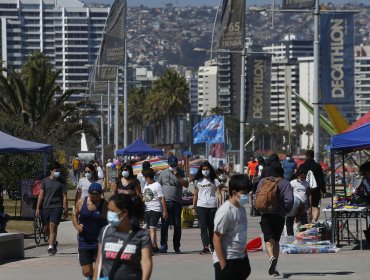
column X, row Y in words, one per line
column 288, row 158
column 88, row 175
column 56, row 174
column 205, row 173
column 172, row 168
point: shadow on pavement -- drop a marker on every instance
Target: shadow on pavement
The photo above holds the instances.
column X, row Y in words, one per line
column 315, row 274
column 6, row 261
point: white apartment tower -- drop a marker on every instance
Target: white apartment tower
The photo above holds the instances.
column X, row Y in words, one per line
column 285, row 80
column 362, row 80
column 207, row 87
column 68, row 31
column 192, row 80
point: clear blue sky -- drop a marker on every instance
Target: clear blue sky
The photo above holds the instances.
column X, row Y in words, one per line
column 158, row 3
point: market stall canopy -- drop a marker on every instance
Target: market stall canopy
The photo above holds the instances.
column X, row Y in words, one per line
column 11, row 144
column 139, row 147
column 156, row 164
column 357, row 139
column 360, row 122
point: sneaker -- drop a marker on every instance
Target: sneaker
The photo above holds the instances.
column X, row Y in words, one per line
column 163, row 249
column 177, row 251
column 205, row 250
column 52, row 251
column 273, row 263
column 276, row 274
column 56, row 246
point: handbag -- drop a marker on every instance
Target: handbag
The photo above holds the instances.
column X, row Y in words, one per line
column 118, row 257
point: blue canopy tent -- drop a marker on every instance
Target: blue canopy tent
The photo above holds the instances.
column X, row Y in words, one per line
column 355, row 140
column 139, row 147
column 11, row 144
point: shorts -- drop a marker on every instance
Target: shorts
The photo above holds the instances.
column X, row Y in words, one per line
column 272, row 226
column 52, row 215
column 315, row 197
column 87, row 256
column 152, row 218
column 236, row 269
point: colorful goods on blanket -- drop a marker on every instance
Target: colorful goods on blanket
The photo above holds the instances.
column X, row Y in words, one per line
column 309, row 248
column 312, row 232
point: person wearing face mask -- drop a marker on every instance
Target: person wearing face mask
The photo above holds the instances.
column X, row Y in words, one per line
column 205, row 203
column 172, row 181
column 89, row 217
column 52, row 199
column 126, row 182
column 90, row 176
column 230, row 233
column 155, row 205
column 124, row 250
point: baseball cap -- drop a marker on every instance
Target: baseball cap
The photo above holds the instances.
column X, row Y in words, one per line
column 146, row 165
column 173, row 161
column 95, row 188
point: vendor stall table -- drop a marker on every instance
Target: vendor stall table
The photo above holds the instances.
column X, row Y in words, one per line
column 341, row 222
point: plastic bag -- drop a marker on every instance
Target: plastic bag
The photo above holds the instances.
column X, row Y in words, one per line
column 187, row 218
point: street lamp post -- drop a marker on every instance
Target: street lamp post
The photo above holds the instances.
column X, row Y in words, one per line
column 316, row 86
column 242, row 113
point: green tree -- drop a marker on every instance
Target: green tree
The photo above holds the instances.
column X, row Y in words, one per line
column 168, row 97
column 34, row 95
column 136, row 101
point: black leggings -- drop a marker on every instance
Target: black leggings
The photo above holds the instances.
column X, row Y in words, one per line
column 206, row 218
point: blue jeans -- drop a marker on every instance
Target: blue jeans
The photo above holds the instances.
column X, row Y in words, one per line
column 174, row 216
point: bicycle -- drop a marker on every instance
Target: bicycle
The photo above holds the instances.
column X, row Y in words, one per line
column 38, row 230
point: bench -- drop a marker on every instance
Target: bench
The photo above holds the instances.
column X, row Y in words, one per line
column 11, row 246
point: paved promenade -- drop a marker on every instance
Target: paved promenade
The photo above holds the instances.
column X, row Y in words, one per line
column 348, row 264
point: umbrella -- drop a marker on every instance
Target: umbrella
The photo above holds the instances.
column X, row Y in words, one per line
column 156, row 164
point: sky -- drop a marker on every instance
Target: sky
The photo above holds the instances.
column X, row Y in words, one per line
column 158, row 3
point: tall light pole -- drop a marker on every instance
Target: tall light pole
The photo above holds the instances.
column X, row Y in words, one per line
column 116, row 111
column 242, row 113
column 316, row 86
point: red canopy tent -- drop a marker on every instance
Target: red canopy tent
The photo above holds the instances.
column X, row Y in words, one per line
column 361, row 121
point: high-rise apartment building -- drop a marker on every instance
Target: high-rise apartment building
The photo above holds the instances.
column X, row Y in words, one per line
column 285, row 80
column 207, row 87
column 362, row 80
column 68, row 31
column 192, row 80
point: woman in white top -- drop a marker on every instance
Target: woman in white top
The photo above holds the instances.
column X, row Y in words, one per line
column 90, row 176
column 205, row 203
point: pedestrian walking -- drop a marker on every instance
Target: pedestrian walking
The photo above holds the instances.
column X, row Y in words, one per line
column 205, row 203
column 126, row 182
column 289, row 166
column 145, row 165
column 89, row 217
column 251, row 167
column 52, row 203
column 90, row 176
column 230, row 233
column 155, row 205
column 124, row 251
column 317, row 185
column 274, row 198
column 76, row 167
column 301, row 191
column 172, row 181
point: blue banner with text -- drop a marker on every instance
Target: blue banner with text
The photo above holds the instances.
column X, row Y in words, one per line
column 209, row 130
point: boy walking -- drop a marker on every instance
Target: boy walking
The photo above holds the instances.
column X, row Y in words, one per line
column 230, row 233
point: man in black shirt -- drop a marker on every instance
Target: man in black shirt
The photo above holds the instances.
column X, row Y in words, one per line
column 316, row 169
column 53, row 197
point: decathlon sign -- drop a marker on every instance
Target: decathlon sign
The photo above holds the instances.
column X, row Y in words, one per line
column 337, row 57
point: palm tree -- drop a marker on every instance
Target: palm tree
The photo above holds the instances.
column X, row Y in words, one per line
column 34, row 95
column 168, row 97
column 136, row 101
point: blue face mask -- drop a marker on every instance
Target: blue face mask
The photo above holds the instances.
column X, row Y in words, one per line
column 125, row 174
column 56, row 174
column 244, row 199
column 113, row 218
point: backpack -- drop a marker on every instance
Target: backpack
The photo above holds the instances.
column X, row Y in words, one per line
column 267, row 195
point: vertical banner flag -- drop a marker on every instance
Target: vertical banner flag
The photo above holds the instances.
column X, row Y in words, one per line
column 210, row 130
column 112, row 48
column 181, row 129
column 232, row 24
column 337, row 57
column 298, row 4
column 259, row 84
